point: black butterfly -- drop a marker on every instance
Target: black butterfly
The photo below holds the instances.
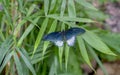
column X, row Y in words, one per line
column 69, row 36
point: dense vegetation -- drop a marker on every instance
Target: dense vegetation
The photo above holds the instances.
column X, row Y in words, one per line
column 23, row 23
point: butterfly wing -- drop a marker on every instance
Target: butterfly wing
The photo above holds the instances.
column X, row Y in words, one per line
column 75, row 31
column 70, row 41
column 71, row 34
column 55, row 37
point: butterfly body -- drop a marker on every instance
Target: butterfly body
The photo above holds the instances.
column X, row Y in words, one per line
column 69, row 36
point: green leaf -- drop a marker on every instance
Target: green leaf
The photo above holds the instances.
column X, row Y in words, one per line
column 62, row 26
column 17, row 29
column 83, row 51
column 71, row 8
column 99, row 15
column 60, row 56
column 97, row 59
column 74, row 63
column 27, row 31
column 7, row 13
column 46, row 6
column 40, row 34
column 65, row 18
column 6, row 60
column 112, row 40
column 27, row 62
column 76, row 19
column 54, row 66
column 25, row 69
column 66, row 55
column 4, row 48
column 31, row 9
column 33, row 21
column 63, row 6
column 96, row 43
column 18, row 64
column 86, row 4
column 2, row 35
column 21, row 6
column 52, row 29
column 52, row 6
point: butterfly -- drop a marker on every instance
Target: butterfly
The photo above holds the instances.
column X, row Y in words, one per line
column 58, row 38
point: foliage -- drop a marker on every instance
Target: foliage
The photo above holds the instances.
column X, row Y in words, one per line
column 24, row 23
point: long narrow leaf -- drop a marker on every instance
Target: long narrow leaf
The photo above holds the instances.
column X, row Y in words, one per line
column 18, row 64
column 65, row 18
column 2, row 35
column 63, row 6
column 31, row 9
column 52, row 29
column 66, row 55
column 19, row 26
column 4, row 48
column 86, row 4
column 21, row 7
column 40, row 34
column 27, row 62
column 60, row 56
column 9, row 19
column 27, row 31
column 96, row 43
column 71, row 8
column 6, row 60
column 52, row 5
column 83, row 51
column 97, row 59
column 46, row 6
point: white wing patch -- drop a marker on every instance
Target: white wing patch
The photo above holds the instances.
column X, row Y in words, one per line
column 71, row 41
column 59, row 43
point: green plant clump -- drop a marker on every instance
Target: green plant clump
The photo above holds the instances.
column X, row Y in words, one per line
column 23, row 23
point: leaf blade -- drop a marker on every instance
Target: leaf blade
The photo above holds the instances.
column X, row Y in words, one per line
column 40, row 34
column 96, row 43
column 84, row 51
column 18, row 64
column 71, row 8
column 86, row 4
column 27, row 62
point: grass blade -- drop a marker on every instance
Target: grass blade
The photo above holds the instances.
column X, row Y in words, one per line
column 31, row 9
column 60, row 56
column 97, row 59
column 40, row 34
column 46, row 6
column 84, row 51
column 52, row 5
column 72, row 19
column 52, row 29
column 86, row 4
column 4, row 48
column 63, row 6
column 27, row 62
column 18, row 64
column 6, row 60
column 53, row 68
column 66, row 55
column 71, row 8
column 96, row 43
column 27, row 31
